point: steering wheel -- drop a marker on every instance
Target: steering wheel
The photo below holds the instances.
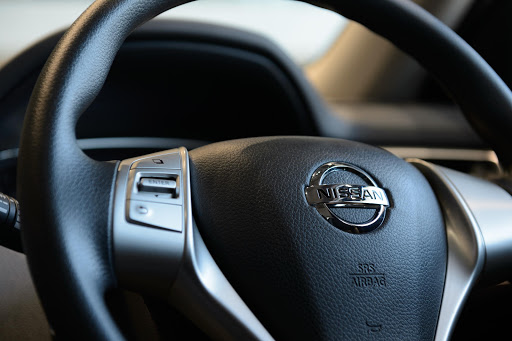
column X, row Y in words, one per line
column 261, row 238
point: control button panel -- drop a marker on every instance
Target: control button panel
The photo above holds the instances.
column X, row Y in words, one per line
column 153, row 196
column 156, row 214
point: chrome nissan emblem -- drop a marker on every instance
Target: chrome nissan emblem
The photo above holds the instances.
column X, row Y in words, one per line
column 327, row 197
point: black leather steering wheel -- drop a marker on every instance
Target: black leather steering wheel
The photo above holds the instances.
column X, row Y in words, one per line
column 298, row 275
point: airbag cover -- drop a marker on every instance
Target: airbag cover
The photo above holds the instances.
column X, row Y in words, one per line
column 303, row 277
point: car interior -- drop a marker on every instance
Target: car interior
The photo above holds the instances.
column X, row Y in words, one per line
column 250, row 101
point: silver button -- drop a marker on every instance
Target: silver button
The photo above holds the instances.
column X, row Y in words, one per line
column 156, row 214
column 166, row 161
column 142, row 209
column 158, row 185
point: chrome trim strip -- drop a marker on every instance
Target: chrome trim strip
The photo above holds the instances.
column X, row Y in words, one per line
column 201, row 285
column 466, row 248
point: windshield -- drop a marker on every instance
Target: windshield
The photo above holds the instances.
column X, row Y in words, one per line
column 305, row 32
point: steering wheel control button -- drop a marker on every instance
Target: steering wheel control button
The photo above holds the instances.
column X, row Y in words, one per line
column 158, row 185
column 354, row 208
column 142, row 209
column 166, row 161
column 155, row 214
column 155, row 185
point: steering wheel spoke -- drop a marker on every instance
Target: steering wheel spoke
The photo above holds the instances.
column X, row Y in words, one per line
column 478, row 218
column 159, row 251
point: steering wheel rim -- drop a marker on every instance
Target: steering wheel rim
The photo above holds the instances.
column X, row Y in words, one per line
column 54, row 236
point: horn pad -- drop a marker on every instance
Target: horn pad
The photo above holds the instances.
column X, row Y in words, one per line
column 302, row 276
